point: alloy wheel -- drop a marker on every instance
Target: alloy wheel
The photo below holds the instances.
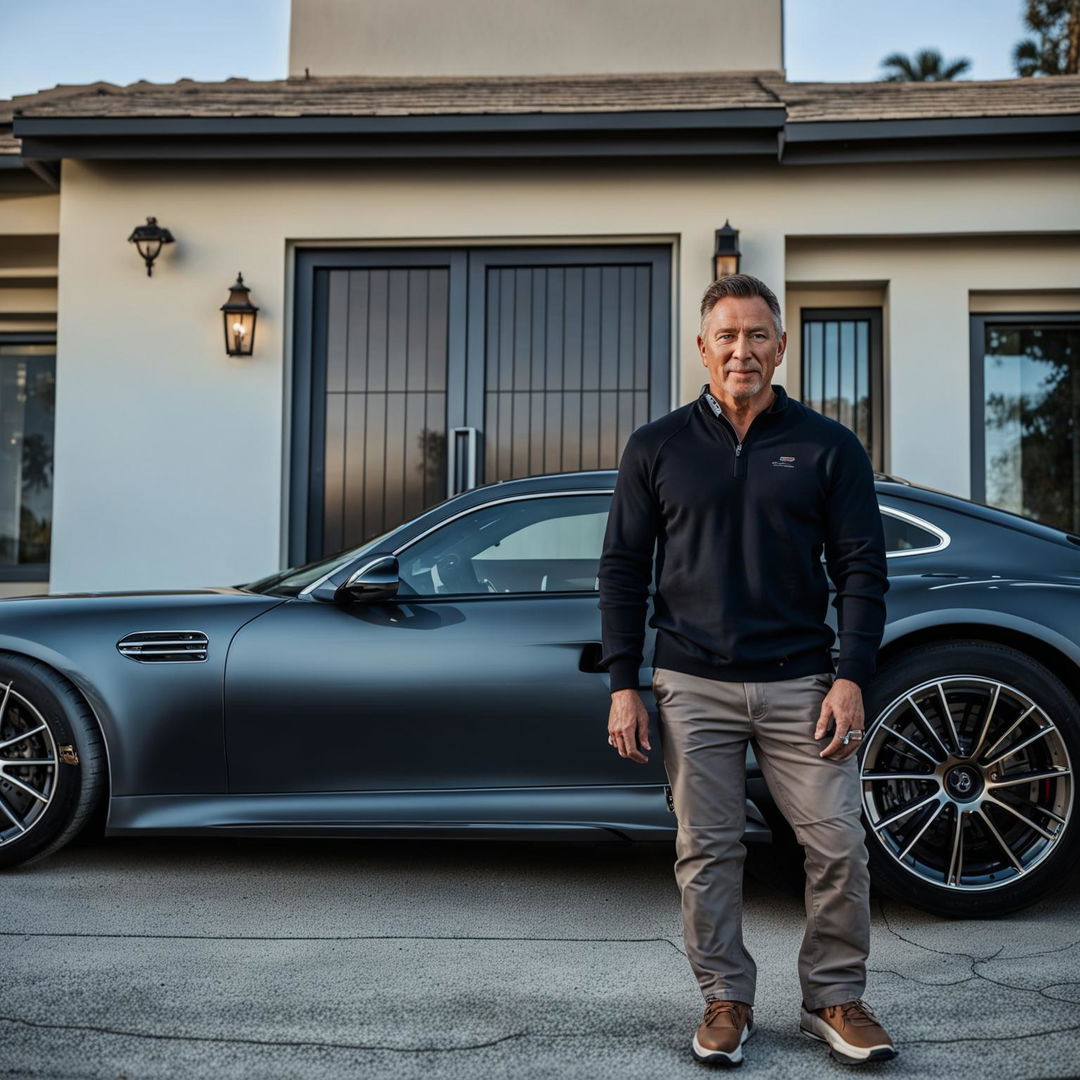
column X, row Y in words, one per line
column 27, row 765
column 967, row 783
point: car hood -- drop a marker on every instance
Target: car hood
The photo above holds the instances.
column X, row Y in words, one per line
column 69, row 617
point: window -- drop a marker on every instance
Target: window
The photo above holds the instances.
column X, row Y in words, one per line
column 905, row 534
column 1026, row 415
column 842, row 371
column 533, row 544
column 27, row 406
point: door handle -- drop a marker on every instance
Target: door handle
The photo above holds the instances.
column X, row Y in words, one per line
column 591, row 654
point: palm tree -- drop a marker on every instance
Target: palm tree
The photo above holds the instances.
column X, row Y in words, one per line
column 1057, row 48
column 927, row 65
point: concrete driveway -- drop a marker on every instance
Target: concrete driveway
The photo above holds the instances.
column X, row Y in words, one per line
column 244, row 958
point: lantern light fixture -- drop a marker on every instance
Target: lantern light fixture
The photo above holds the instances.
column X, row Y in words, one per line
column 148, row 240
column 726, row 254
column 239, row 316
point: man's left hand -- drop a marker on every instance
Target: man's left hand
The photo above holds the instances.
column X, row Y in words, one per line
column 844, row 705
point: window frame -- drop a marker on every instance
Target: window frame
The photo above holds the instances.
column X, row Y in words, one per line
column 12, row 572
column 944, row 539
column 977, row 340
column 876, row 366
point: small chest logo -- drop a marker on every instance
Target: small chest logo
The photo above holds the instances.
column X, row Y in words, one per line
column 784, row 462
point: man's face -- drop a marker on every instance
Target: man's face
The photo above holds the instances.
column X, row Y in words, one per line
column 740, row 347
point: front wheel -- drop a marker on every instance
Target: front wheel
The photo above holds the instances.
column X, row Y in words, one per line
column 52, row 761
column 968, row 778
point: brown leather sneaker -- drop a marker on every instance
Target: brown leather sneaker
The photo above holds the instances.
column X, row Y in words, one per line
column 851, row 1030
column 727, row 1025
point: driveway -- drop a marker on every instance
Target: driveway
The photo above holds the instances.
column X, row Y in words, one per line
column 247, row 958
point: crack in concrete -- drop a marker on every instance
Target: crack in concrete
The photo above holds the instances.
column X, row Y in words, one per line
column 921, row 982
column 292, row 1043
column 991, row 1038
column 975, row 961
column 339, row 937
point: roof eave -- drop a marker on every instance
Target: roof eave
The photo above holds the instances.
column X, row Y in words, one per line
column 748, row 131
column 930, row 139
column 761, row 132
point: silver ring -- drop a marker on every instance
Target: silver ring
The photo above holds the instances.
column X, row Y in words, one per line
column 845, row 738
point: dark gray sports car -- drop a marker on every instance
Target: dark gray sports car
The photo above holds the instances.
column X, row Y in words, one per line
column 443, row 679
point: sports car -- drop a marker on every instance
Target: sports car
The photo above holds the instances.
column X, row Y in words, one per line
column 444, row 679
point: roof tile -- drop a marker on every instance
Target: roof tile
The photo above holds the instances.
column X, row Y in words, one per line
column 508, row 95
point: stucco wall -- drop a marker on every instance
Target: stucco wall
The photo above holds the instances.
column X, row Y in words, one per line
column 524, row 37
column 171, row 457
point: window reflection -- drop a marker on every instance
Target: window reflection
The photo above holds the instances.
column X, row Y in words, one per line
column 1032, row 413
column 27, row 408
column 904, row 535
column 549, row 544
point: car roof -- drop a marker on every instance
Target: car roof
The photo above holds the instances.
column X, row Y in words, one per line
column 885, row 484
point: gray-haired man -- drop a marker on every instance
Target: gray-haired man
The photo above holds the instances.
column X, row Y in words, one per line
column 741, row 491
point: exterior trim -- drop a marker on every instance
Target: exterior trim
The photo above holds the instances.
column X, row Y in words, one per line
column 438, row 124
column 944, row 539
column 950, row 127
column 751, row 131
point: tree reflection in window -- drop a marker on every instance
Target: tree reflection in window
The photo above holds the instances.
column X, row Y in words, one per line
column 27, row 410
column 1032, row 415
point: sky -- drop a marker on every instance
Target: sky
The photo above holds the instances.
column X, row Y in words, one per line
column 46, row 42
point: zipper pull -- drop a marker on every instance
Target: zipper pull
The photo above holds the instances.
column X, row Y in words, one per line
column 738, row 449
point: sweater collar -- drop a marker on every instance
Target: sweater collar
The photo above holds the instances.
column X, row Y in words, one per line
column 779, row 403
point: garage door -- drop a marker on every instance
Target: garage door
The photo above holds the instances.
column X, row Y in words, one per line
column 419, row 373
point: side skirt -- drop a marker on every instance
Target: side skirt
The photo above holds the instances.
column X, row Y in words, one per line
column 631, row 812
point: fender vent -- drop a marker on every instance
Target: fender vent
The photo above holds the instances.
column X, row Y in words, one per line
column 164, row 646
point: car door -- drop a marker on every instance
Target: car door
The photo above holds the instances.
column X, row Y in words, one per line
column 481, row 673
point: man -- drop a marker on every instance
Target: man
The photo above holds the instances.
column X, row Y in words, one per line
column 741, row 491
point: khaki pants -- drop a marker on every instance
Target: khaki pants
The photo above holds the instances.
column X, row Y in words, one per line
column 704, row 727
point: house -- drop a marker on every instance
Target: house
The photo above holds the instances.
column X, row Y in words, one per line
column 477, row 235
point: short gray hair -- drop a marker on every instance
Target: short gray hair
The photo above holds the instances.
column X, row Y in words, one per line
column 742, row 285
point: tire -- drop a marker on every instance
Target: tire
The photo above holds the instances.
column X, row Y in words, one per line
column 954, row 731
column 44, row 721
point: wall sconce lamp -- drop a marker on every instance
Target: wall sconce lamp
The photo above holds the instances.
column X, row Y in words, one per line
column 726, row 256
column 239, row 316
column 148, row 240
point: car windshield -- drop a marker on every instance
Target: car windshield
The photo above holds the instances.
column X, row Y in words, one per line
column 292, row 581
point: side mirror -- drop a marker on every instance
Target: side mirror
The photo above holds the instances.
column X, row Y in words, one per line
column 377, row 579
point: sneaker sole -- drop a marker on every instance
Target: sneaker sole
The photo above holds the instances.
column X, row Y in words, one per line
column 725, row 1059
column 881, row 1053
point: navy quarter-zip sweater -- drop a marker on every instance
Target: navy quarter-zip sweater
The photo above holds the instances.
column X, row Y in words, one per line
column 739, row 530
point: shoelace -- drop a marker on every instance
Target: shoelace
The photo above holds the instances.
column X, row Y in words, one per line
column 714, row 1009
column 857, row 1013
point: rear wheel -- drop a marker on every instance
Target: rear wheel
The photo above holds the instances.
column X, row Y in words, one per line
column 52, row 761
column 968, row 778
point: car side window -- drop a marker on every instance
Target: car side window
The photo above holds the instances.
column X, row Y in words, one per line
column 902, row 534
column 532, row 544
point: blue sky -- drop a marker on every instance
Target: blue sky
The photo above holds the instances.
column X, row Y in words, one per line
column 45, row 42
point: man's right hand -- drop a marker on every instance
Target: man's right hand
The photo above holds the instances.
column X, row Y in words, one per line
column 628, row 725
